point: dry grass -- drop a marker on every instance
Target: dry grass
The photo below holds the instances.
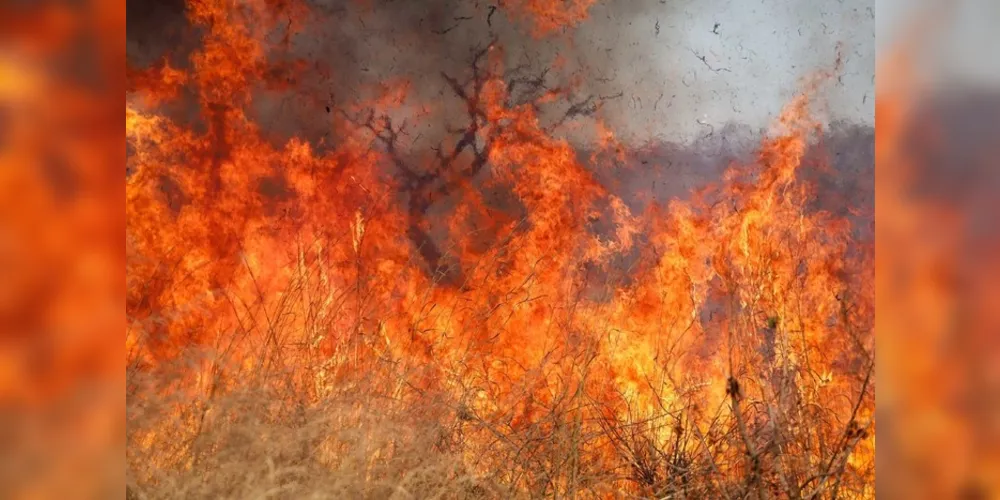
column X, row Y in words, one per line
column 257, row 442
column 207, row 429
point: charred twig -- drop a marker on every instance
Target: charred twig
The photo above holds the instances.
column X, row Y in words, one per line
column 754, row 474
column 587, row 107
column 458, row 20
column 711, row 128
column 704, row 60
column 535, row 87
column 489, row 16
column 853, row 433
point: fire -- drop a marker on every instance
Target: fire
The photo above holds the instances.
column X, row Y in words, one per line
column 60, row 249
column 547, row 16
column 937, row 307
column 735, row 353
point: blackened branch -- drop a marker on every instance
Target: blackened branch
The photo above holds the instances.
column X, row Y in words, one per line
column 585, row 108
column 446, row 173
column 458, row 20
column 704, row 61
column 489, row 17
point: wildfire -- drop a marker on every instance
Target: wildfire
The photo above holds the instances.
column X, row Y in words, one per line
column 547, row 16
column 736, row 352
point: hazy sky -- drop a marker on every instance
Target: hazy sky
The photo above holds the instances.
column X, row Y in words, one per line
column 958, row 37
column 755, row 53
column 684, row 67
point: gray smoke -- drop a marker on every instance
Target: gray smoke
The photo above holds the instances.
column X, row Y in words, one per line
column 680, row 69
column 684, row 68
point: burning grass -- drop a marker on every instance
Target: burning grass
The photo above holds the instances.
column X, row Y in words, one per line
column 368, row 322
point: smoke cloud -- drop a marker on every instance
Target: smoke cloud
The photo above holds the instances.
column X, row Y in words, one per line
column 672, row 71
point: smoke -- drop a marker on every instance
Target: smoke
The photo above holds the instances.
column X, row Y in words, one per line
column 690, row 67
column 667, row 71
column 670, row 71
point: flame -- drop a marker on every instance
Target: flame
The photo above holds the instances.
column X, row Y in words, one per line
column 548, row 16
column 736, row 340
column 932, row 267
column 60, row 248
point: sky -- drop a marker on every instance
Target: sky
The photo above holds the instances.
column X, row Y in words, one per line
column 684, row 68
column 719, row 61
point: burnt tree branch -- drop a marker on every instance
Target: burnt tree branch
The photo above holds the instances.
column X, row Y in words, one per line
column 451, row 167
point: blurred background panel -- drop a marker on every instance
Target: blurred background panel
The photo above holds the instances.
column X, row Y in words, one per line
column 61, row 248
column 938, row 249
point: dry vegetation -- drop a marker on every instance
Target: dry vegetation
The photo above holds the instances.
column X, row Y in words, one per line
column 297, row 330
